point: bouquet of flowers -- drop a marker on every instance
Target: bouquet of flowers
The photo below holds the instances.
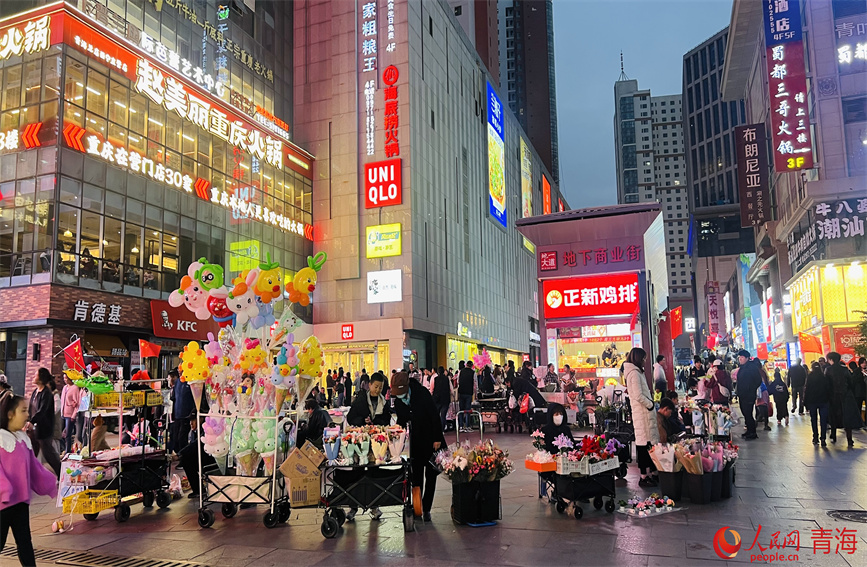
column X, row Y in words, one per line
column 563, row 443
column 663, row 457
column 482, row 462
column 538, row 440
column 540, row 455
column 653, row 504
column 379, row 444
column 396, row 441
column 331, row 443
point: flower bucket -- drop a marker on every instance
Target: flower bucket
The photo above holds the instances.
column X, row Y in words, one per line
column 728, row 478
column 671, row 484
column 698, row 487
column 476, row 502
column 716, row 482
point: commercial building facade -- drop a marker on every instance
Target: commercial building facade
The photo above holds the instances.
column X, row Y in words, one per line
column 813, row 111
column 128, row 154
column 421, row 173
column 718, row 237
column 651, row 167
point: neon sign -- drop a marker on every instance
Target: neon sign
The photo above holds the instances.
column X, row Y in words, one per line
column 34, row 38
column 251, row 210
column 183, row 66
column 100, row 54
column 172, row 94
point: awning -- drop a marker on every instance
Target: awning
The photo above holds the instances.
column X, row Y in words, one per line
column 104, row 346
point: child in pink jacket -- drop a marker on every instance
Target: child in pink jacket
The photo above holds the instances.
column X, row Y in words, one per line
column 20, row 474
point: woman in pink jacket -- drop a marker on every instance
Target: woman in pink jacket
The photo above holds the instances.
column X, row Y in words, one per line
column 20, row 474
column 70, row 399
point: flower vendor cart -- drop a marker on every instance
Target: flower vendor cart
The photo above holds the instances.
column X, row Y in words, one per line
column 367, row 468
column 586, row 470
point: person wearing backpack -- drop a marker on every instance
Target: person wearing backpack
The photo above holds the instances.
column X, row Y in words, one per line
column 720, row 384
column 781, row 397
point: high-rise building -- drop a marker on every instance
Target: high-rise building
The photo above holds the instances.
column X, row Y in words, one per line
column 139, row 137
column 421, row 173
column 709, row 124
column 801, row 68
column 648, row 134
column 527, row 74
column 478, row 18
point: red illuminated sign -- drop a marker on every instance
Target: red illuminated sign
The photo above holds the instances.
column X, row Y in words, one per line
column 382, row 184
column 548, row 261
column 347, row 332
column 391, row 117
column 179, row 323
column 546, row 195
column 29, row 135
column 611, row 294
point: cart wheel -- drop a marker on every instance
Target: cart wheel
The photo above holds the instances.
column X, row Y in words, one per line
column 206, row 517
column 284, row 511
column 597, row 502
column 329, row 527
column 271, row 519
column 579, row 512
column 121, row 513
column 338, row 514
column 229, row 510
column 561, row 507
column 609, row 506
column 147, row 499
column 91, row 517
column 408, row 519
column 164, row 499
column 622, row 470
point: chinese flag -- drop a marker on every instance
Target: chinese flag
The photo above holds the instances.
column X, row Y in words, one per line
column 809, row 343
column 676, row 322
column 762, row 351
column 148, row 350
column 74, row 356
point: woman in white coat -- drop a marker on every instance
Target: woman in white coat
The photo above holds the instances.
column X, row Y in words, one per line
column 643, row 415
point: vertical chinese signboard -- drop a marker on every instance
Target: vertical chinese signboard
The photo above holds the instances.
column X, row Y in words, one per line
column 526, row 181
column 752, row 152
column 546, row 196
column 714, row 307
column 496, row 157
column 787, row 84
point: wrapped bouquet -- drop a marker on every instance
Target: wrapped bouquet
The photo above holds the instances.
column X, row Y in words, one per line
column 483, row 462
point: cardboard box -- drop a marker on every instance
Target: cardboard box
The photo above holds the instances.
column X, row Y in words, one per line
column 540, row 467
column 297, row 465
column 316, row 456
column 303, row 491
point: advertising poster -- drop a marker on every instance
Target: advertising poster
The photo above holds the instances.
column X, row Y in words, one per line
column 383, row 240
column 496, row 157
column 526, row 181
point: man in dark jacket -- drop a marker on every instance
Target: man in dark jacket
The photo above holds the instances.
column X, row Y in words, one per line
column 843, row 414
column 749, row 380
column 466, row 387
column 522, row 385
column 370, row 406
column 817, row 398
column 183, row 406
column 797, row 381
column 317, row 420
column 442, row 394
column 414, row 405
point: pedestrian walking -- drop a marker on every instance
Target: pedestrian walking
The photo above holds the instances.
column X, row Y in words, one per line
column 749, row 380
column 817, row 399
column 844, row 414
column 643, row 415
column 466, row 387
column 764, row 409
column 781, row 397
column 859, row 376
column 797, row 380
column 414, row 404
column 70, row 399
column 329, row 385
column 21, row 474
column 660, row 382
column 442, row 394
column 42, row 418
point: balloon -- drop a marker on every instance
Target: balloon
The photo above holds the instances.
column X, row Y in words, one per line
column 268, row 283
column 265, row 315
column 213, row 350
column 218, row 308
column 192, row 293
column 305, row 280
column 242, row 299
column 253, row 358
column 209, row 276
column 194, row 365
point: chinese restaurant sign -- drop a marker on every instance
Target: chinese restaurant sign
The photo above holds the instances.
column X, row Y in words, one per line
column 752, row 153
column 611, row 294
column 496, row 157
column 790, row 120
column 841, row 220
column 591, row 257
column 32, row 37
column 391, row 116
column 851, row 35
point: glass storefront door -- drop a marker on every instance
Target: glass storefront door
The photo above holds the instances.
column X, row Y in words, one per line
column 355, row 357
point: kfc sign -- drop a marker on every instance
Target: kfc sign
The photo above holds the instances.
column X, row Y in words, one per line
column 179, row 323
column 382, row 184
column 347, row 332
column 612, row 294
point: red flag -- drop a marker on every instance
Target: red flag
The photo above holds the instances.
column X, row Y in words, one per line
column 74, row 356
column 762, row 351
column 148, row 350
column 809, row 343
column 676, row 322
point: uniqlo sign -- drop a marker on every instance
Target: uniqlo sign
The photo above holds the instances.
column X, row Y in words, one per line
column 382, row 184
column 611, row 294
column 347, row 332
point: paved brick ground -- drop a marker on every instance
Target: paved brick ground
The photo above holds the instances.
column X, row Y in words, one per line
column 783, row 484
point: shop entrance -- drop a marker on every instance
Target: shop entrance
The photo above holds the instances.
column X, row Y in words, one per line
column 593, row 351
column 356, row 356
